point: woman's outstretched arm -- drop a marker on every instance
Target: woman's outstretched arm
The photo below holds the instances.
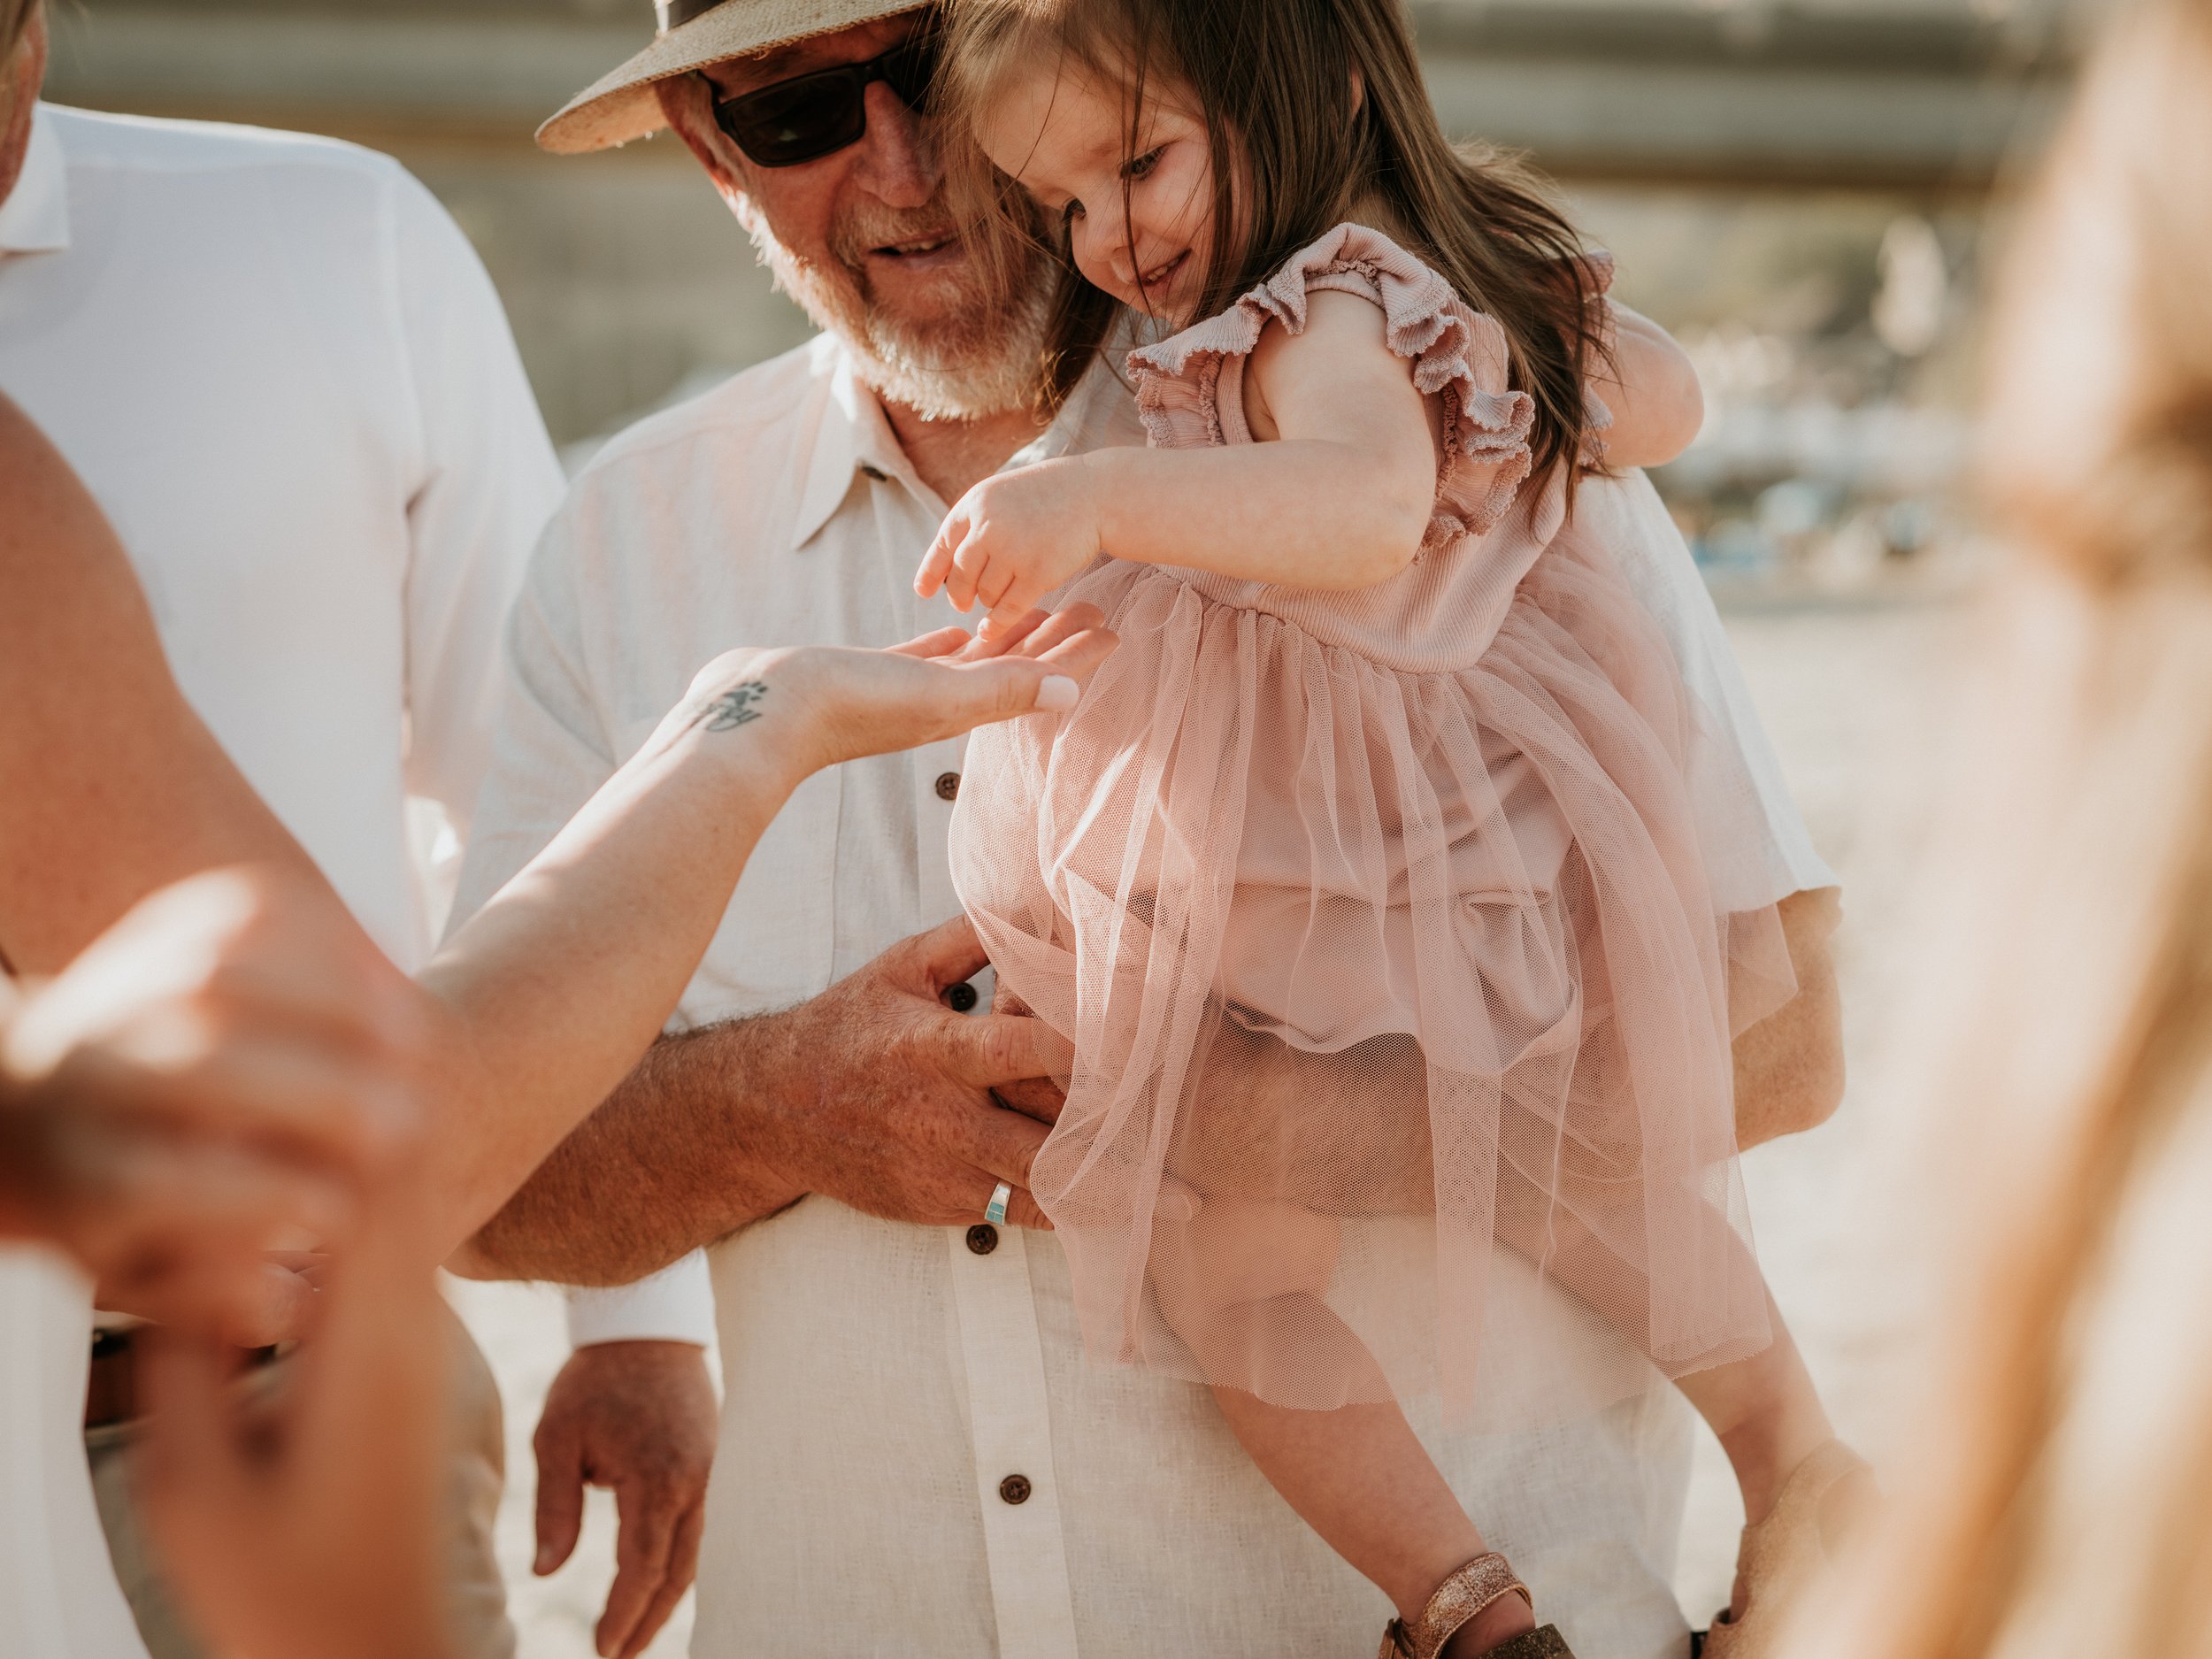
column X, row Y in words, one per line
column 554, row 990
column 552, row 993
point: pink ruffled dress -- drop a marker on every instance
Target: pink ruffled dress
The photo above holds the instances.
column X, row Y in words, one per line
column 1376, row 910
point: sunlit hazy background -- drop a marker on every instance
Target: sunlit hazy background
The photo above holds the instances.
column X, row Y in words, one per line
column 1807, row 193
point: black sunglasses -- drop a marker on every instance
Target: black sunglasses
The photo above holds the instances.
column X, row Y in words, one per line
column 812, row 115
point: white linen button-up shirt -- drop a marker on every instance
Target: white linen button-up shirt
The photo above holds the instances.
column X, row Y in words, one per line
column 280, row 368
column 884, row 1381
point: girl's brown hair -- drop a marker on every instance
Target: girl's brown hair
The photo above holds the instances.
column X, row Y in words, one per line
column 1313, row 109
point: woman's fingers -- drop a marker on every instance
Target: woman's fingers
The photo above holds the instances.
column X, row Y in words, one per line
column 946, row 642
column 1052, row 629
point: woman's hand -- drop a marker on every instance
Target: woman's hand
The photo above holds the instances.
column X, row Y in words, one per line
column 1013, row 539
column 823, row 704
column 213, row 1076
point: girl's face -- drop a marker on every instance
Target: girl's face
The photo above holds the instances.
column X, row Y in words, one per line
column 1062, row 134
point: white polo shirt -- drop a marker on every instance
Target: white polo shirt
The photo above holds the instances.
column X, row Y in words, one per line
column 282, row 371
column 886, row 1383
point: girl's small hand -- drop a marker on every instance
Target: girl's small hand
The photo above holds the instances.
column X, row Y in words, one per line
column 1012, row 539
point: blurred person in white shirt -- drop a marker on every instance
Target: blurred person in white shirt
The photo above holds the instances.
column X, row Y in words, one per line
column 288, row 383
column 916, row 1456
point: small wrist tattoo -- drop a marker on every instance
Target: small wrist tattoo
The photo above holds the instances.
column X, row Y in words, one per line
column 738, row 706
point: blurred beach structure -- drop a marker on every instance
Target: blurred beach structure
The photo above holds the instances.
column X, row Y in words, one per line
column 1807, row 193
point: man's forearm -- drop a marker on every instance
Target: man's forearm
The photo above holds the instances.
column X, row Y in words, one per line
column 686, row 1152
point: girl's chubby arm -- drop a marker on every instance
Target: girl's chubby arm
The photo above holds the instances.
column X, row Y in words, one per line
column 1338, row 495
column 1651, row 388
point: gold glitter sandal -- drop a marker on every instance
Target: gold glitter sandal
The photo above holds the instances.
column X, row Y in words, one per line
column 1785, row 1551
column 1460, row 1598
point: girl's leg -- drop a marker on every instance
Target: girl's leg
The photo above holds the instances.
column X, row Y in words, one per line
column 1766, row 1413
column 1242, row 1285
column 1764, row 1410
column 1360, row 1477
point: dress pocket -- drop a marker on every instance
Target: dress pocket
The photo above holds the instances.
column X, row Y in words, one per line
column 774, row 948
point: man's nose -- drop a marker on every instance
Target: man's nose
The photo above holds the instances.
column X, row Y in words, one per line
column 897, row 161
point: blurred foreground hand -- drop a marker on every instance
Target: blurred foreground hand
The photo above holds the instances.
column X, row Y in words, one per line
column 215, row 1078
column 309, row 1524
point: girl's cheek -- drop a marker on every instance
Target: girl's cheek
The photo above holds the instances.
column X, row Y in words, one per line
column 1095, row 271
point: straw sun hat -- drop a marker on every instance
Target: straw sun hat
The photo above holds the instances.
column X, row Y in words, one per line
column 694, row 33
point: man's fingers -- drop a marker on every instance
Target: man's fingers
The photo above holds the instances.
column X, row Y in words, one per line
column 945, row 956
column 1004, row 1145
column 1035, row 1097
column 560, row 1453
column 683, row 1567
column 644, row 1536
column 1005, row 1049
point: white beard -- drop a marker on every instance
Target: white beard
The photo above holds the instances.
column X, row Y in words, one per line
column 965, row 368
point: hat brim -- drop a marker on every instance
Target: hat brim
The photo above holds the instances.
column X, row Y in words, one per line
column 626, row 104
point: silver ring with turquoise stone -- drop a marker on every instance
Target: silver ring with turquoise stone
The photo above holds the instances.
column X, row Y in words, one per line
column 1000, row 1196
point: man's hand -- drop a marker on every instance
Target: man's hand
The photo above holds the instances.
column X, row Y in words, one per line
column 878, row 1093
column 898, row 1118
column 639, row 1417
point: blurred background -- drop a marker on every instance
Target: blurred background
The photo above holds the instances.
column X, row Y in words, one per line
column 1807, row 193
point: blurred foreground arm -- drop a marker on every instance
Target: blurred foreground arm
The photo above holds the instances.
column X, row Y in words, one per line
column 218, row 1073
column 112, row 787
column 310, row 1526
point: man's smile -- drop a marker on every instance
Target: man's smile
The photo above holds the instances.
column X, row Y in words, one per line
column 938, row 248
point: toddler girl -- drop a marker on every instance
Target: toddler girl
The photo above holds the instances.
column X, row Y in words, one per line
column 1365, row 880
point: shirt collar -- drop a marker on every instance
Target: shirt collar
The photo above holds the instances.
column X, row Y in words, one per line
column 35, row 219
column 855, row 435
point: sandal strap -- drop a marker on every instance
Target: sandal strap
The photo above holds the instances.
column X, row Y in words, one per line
column 1458, row 1599
column 1544, row 1642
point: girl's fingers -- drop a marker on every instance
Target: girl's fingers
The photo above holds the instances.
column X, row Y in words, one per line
column 968, row 567
column 937, row 562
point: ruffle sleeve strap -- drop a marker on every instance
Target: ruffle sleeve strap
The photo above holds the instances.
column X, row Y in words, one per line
column 1190, row 386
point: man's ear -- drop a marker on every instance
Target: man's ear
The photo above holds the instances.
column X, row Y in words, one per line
column 687, row 102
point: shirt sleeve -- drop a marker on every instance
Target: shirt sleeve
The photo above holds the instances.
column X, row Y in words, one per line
column 486, row 483
column 674, row 1305
column 552, row 750
column 1730, row 756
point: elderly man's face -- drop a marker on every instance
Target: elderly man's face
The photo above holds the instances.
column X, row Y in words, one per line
column 21, row 75
column 863, row 237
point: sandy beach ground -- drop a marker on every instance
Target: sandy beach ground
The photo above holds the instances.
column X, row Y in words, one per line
column 1857, row 697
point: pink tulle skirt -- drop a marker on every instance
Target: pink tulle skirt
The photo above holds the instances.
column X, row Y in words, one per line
column 1351, row 955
